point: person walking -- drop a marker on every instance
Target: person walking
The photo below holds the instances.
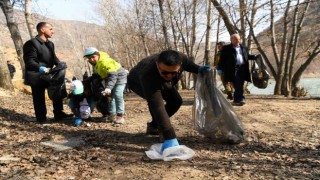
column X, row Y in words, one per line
column 227, row 85
column 39, row 57
column 114, row 77
column 155, row 78
column 234, row 65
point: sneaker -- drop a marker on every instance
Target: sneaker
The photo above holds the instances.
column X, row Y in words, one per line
column 152, row 130
column 118, row 120
column 110, row 118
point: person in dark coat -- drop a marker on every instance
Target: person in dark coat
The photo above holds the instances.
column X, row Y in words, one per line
column 154, row 78
column 11, row 68
column 39, row 57
column 234, row 65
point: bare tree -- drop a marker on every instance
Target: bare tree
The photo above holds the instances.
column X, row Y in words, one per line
column 207, row 42
column 164, row 25
column 5, row 79
column 140, row 7
column 7, row 9
column 29, row 20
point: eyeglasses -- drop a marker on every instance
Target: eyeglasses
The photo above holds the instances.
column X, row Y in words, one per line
column 165, row 73
column 174, row 73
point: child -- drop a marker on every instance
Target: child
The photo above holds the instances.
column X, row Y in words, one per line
column 80, row 102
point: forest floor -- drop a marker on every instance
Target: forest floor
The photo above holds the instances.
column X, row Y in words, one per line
column 282, row 142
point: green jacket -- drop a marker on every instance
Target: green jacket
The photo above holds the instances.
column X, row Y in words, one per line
column 110, row 70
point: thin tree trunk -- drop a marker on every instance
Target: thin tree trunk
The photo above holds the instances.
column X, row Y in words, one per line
column 226, row 20
column 207, row 43
column 281, row 67
column 141, row 33
column 29, row 20
column 295, row 44
column 164, row 26
column 5, row 79
column 14, row 31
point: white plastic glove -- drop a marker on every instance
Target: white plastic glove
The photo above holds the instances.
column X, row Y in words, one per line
column 106, row 92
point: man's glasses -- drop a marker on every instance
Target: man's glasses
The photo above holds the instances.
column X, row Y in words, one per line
column 174, row 73
column 165, row 73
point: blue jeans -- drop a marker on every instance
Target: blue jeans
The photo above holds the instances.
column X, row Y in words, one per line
column 117, row 104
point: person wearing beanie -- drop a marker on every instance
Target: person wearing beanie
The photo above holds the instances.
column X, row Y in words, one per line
column 114, row 77
column 81, row 103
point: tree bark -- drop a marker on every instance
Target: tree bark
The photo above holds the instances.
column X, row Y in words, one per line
column 14, row 31
column 29, row 20
column 226, row 20
column 5, row 79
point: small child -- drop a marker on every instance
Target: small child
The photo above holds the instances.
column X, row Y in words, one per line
column 80, row 102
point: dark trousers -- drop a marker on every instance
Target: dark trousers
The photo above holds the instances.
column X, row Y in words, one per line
column 238, row 84
column 39, row 103
column 173, row 102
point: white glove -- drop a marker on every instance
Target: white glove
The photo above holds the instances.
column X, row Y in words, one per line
column 106, row 92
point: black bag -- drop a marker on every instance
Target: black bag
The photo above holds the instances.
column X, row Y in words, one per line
column 259, row 73
column 56, row 78
column 94, row 85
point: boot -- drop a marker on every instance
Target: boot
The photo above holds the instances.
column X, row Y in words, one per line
column 230, row 96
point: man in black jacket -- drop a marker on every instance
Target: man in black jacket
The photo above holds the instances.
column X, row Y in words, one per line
column 39, row 57
column 234, row 65
column 154, row 78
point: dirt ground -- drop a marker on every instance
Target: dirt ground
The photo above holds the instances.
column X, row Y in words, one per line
column 282, row 142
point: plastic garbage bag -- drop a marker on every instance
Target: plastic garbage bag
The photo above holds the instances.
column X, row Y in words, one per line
column 181, row 152
column 259, row 73
column 213, row 115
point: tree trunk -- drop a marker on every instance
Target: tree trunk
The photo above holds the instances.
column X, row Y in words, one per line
column 164, row 26
column 207, row 43
column 14, row 31
column 296, row 77
column 140, row 25
column 5, row 79
column 29, row 20
column 226, row 20
column 295, row 44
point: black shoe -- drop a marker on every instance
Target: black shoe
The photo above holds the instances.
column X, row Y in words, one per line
column 229, row 95
column 152, row 130
column 44, row 121
column 238, row 103
column 62, row 116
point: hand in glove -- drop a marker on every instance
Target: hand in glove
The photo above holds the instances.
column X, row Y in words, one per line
column 202, row 69
column 43, row 69
column 78, row 122
column 219, row 72
column 106, row 92
column 169, row 143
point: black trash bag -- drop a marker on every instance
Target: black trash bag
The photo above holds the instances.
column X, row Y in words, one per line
column 56, row 78
column 213, row 115
column 93, row 86
column 259, row 73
